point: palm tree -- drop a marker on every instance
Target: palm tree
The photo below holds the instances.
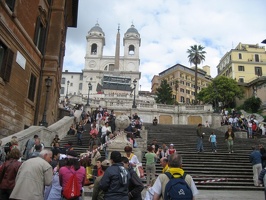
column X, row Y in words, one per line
column 196, row 56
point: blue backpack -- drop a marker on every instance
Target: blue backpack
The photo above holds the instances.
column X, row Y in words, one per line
column 177, row 188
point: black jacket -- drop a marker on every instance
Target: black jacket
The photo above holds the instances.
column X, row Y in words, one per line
column 135, row 186
column 112, row 185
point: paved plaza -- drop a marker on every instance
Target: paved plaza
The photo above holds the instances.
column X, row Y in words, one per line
column 222, row 195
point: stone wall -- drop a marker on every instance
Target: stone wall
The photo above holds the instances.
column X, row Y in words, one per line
column 59, row 128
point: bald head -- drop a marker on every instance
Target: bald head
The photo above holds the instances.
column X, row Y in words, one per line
column 163, row 161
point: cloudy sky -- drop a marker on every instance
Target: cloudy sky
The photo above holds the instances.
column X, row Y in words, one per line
column 167, row 29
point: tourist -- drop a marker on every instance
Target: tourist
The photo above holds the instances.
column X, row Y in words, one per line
column 263, row 155
column 97, row 193
column 55, row 140
column 212, row 140
column 229, row 138
column 53, row 192
column 262, row 180
column 80, row 130
column 72, row 166
column 200, row 136
column 106, row 129
column 155, row 121
column 94, row 140
column 72, row 130
column 133, row 159
column 33, row 175
column 115, row 180
column 255, row 159
column 28, row 146
column 135, row 184
column 164, row 164
column 8, row 172
column 150, row 165
column 175, row 168
column 170, row 150
column 2, row 154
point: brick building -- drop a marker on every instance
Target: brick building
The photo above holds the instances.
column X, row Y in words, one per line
column 32, row 46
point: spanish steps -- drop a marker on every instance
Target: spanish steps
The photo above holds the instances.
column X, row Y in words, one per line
column 210, row 171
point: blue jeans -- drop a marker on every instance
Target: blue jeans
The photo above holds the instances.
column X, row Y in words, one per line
column 213, row 146
column 200, row 144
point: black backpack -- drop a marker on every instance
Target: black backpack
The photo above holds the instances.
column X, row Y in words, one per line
column 177, row 188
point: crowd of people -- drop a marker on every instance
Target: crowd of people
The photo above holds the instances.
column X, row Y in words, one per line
column 112, row 176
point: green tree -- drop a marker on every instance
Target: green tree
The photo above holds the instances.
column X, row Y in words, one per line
column 196, row 56
column 164, row 93
column 222, row 89
column 252, row 104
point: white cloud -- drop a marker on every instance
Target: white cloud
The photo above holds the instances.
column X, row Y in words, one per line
column 168, row 29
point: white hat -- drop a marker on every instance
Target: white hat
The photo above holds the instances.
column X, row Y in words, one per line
column 171, row 144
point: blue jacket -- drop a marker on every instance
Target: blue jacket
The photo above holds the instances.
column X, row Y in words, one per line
column 255, row 157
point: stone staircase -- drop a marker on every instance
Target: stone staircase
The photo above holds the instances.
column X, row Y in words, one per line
column 209, row 170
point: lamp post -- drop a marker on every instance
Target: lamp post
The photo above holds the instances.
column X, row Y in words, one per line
column 134, row 100
column 88, row 100
column 48, row 83
column 67, row 89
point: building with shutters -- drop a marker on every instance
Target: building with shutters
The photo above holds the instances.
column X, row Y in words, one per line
column 246, row 63
column 31, row 50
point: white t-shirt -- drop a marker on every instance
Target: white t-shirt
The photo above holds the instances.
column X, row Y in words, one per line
column 134, row 160
column 157, row 187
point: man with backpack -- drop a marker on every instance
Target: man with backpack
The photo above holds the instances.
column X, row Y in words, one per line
column 174, row 184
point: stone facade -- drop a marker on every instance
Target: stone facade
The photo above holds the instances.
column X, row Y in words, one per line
column 106, row 74
column 32, row 45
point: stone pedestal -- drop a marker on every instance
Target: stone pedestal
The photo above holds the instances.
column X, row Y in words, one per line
column 119, row 143
column 216, row 120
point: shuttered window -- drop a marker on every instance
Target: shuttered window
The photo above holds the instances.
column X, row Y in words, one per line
column 39, row 37
column 32, row 87
column 6, row 61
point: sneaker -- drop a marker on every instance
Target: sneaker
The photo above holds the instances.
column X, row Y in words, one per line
column 232, row 151
column 215, row 151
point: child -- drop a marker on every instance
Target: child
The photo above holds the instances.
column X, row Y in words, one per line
column 212, row 139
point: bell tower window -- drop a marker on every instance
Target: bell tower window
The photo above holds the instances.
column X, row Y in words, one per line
column 94, row 49
column 131, row 50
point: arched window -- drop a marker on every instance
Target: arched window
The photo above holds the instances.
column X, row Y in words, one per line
column 94, row 49
column 131, row 50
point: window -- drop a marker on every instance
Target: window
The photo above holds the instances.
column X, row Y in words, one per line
column 258, row 71
column 32, row 87
column 63, row 81
column 257, row 59
column 182, row 99
column 71, row 84
column 182, row 90
column 230, row 69
column 80, row 86
column 94, row 49
column 241, row 80
column 62, row 90
column 187, row 100
column 188, row 91
column 188, row 84
column 39, row 37
column 80, row 77
column 11, row 4
column 241, row 68
column 131, row 50
column 239, row 56
column 6, row 61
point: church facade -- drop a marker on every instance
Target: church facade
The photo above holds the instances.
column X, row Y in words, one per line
column 106, row 74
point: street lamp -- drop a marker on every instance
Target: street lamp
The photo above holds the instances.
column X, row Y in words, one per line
column 88, row 100
column 134, row 100
column 48, row 83
column 67, row 89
